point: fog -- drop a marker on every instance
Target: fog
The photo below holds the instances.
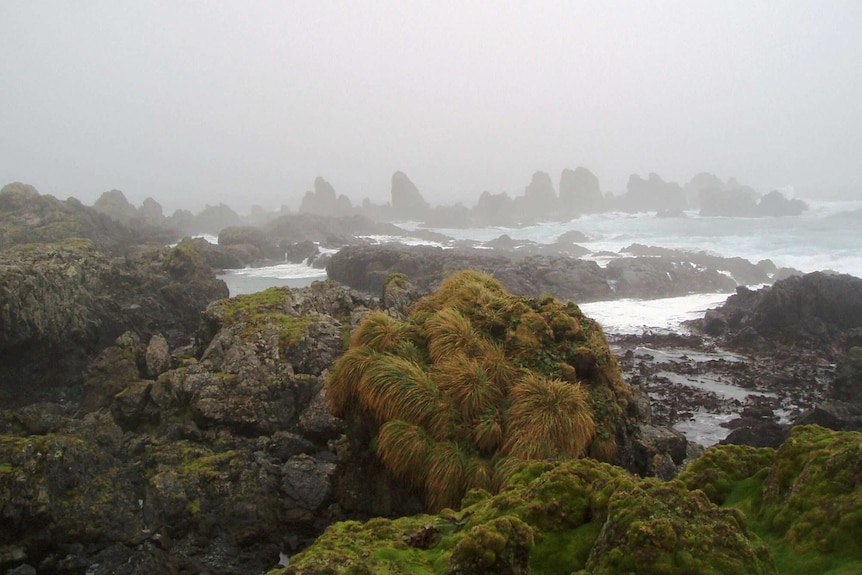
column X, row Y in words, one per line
column 208, row 102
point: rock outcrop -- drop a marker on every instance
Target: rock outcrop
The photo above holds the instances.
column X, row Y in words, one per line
column 539, row 199
column 366, row 267
column 407, row 202
column 324, row 201
column 208, row 459
column 580, row 192
column 652, row 195
column 654, row 273
column 64, row 302
column 29, row 217
column 819, row 310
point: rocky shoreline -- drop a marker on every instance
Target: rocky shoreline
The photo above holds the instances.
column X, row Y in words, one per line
column 150, row 424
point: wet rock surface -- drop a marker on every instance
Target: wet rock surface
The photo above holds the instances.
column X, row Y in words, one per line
column 524, row 269
column 64, row 302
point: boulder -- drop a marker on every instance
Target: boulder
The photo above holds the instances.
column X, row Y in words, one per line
column 158, row 356
column 817, row 310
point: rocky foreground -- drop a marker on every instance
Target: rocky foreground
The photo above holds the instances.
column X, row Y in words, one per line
column 149, row 424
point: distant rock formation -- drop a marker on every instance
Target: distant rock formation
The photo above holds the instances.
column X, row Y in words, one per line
column 494, row 210
column 775, row 204
column 730, row 203
column 323, row 201
column 580, row 192
column 115, row 205
column 26, row 216
column 663, row 273
column 539, row 199
column 151, row 213
column 742, row 202
column 212, row 220
column 407, row 202
column 653, row 195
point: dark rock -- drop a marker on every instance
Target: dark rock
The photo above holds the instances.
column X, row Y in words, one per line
column 774, row 204
column 300, row 252
column 318, row 348
column 758, row 433
column 580, row 192
column 366, row 269
column 63, row 303
column 652, row 195
column 407, row 202
column 653, row 444
column 307, row 483
column 114, row 368
column 834, row 414
column 656, row 277
column 317, row 422
column 398, row 294
column 817, row 310
column 323, row 201
column 847, row 385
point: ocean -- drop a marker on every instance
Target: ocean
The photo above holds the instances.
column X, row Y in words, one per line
column 827, row 237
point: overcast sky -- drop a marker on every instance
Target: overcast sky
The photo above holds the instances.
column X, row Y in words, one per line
column 196, row 102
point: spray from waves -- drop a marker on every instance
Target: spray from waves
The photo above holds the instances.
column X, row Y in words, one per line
column 665, row 315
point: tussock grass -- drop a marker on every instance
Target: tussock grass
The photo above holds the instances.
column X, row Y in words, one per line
column 468, row 387
column 549, row 418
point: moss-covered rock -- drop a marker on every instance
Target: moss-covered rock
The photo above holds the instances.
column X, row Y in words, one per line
column 720, row 468
column 813, row 493
column 663, row 528
column 61, row 489
column 575, row 516
column 195, row 489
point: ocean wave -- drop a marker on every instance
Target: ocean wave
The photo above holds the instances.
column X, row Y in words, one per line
column 665, row 315
column 280, row 271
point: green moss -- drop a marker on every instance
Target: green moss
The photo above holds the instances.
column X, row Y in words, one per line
column 720, row 468
column 564, row 551
column 268, row 310
column 618, row 524
column 663, row 528
column 208, row 465
column 813, row 493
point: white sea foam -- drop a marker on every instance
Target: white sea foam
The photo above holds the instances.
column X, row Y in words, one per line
column 208, row 237
column 665, row 315
column 280, row 271
column 404, row 240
